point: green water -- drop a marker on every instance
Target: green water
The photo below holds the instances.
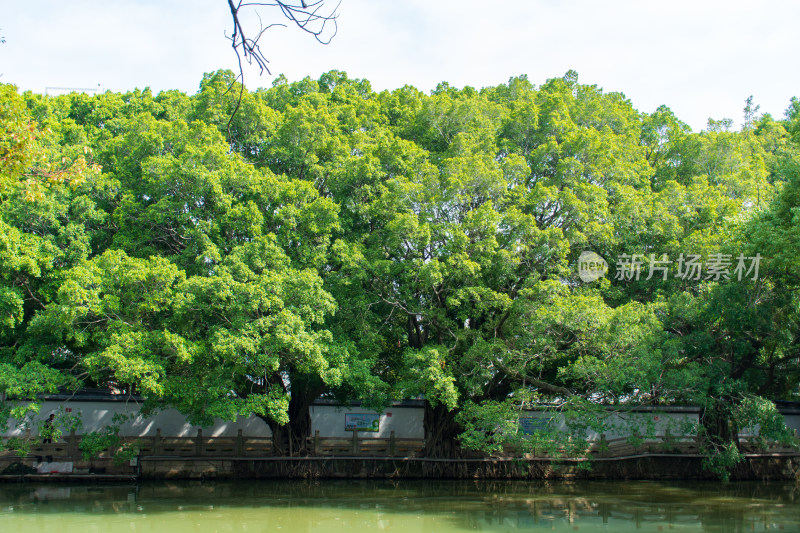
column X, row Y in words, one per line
column 403, row 506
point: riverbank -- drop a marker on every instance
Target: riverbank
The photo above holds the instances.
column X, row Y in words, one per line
column 762, row 467
column 644, row 467
column 200, row 457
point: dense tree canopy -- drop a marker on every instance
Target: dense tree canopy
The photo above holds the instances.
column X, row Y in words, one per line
column 332, row 240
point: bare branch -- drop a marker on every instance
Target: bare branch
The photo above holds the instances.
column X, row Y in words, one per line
column 309, row 16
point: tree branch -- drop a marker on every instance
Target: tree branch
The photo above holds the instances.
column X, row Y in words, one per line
column 308, row 16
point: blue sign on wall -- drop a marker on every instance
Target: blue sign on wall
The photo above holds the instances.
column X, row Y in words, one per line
column 530, row 424
column 362, row 422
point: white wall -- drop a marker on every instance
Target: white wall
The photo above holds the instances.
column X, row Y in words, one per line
column 793, row 421
column 406, row 422
column 623, row 425
column 96, row 416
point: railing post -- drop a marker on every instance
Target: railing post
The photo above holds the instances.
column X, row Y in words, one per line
column 317, row 443
column 198, row 446
column 239, row 444
column 72, row 447
column 355, row 442
column 392, row 445
column 603, row 445
column 157, row 442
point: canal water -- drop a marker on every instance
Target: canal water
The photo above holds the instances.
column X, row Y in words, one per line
column 401, row 506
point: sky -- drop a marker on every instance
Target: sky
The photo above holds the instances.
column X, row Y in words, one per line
column 701, row 58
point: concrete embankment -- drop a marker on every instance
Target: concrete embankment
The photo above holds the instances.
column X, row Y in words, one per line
column 645, row 466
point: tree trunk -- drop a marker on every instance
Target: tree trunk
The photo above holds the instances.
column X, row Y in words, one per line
column 718, row 428
column 292, row 439
column 441, row 432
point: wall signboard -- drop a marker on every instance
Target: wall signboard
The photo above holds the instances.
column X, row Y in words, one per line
column 362, row 422
column 530, row 425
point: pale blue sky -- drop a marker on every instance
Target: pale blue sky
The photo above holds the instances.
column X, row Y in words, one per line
column 701, row 58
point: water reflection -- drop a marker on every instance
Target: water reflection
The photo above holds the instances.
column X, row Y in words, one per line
column 411, row 506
